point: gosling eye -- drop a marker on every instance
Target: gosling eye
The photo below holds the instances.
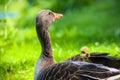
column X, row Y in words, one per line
column 83, row 52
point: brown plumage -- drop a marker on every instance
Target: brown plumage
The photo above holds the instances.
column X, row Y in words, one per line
column 47, row 69
column 76, row 71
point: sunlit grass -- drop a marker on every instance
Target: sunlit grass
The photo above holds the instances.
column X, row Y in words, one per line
column 20, row 54
column 93, row 28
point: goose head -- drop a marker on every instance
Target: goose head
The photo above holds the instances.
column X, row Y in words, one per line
column 46, row 17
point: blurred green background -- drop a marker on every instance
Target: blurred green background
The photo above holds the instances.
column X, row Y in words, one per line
column 92, row 23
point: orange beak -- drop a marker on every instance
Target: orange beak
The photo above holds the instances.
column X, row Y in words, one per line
column 57, row 15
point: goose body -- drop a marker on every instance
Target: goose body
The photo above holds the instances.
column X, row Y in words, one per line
column 76, row 70
column 47, row 69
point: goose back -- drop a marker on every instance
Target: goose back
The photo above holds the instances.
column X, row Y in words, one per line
column 76, row 70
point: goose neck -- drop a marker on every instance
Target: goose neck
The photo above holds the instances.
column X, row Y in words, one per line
column 44, row 38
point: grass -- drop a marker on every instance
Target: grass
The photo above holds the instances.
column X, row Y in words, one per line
column 90, row 27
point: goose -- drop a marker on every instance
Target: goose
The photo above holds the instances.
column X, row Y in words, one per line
column 47, row 69
column 96, row 57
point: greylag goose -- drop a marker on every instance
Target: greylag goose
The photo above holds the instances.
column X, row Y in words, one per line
column 47, row 69
column 96, row 57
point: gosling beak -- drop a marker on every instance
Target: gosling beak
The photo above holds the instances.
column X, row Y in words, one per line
column 57, row 15
column 88, row 55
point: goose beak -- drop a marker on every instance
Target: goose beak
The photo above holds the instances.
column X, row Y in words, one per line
column 57, row 15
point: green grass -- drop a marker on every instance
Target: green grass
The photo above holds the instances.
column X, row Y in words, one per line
column 91, row 27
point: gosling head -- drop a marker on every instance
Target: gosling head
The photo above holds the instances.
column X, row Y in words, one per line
column 85, row 52
column 46, row 17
